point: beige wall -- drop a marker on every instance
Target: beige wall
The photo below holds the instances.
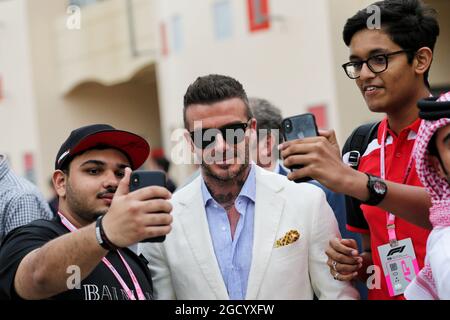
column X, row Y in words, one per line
column 131, row 103
column 130, row 106
column 290, row 65
column 88, row 75
column 18, row 127
column 101, row 49
column 350, row 103
column 440, row 70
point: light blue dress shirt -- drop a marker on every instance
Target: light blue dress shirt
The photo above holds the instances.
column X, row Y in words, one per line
column 234, row 256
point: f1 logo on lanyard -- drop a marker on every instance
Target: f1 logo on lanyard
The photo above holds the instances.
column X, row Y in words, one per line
column 398, row 258
column 399, row 265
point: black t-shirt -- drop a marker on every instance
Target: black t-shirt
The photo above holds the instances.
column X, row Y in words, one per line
column 101, row 284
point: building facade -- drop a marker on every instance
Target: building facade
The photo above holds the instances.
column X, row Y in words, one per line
column 129, row 62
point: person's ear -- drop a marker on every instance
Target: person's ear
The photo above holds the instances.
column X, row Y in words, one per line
column 423, row 59
column 438, row 166
column 252, row 128
column 253, row 124
column 272, row 143
column 60, row 182
column 188, row 138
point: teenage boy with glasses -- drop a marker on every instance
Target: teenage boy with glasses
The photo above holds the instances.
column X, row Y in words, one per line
column 390, row 66
column 240, row 231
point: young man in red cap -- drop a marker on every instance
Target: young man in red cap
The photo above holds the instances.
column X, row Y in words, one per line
column 83, row 253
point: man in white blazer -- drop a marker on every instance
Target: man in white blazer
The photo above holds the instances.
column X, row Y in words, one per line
column 239, row 231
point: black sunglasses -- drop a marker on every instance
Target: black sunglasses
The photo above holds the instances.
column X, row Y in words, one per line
column 232, row 133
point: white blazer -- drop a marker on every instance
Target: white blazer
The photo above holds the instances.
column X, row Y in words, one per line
column 184, row 266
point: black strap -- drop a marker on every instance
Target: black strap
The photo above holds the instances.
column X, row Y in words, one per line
column 430, row 109
column 358, row 142
column 102, row 239
column 360, row 139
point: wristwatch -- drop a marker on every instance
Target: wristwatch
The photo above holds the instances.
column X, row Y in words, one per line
column 377, row 190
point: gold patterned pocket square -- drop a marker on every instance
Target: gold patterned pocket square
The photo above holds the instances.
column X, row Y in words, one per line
column 290, row 237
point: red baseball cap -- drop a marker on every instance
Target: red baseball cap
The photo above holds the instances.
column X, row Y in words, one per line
column 89, row 137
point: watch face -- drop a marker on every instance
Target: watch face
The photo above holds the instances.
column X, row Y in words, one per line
column 379, row 187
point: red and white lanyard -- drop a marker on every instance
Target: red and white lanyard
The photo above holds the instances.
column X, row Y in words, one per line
column 390, row 224
column 116, row 274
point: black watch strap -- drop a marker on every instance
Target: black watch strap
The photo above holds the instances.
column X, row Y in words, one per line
column 377, row 190
column 101, row 236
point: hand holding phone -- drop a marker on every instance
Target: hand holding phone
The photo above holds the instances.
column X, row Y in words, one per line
column 299, row 127
column 142, row 179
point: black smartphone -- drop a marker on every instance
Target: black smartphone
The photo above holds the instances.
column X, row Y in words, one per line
column 299, row 127
column 141, row 179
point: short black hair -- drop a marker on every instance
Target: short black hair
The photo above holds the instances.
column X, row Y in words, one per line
column 268, row 117
column 410, row 24
column 432, row 146
column 163, row 163
column 214, row 88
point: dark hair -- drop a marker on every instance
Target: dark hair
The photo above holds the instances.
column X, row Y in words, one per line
column 410, row 24
column 432, row 146
column 268, row 117
column 214, row 88
column 163, row 163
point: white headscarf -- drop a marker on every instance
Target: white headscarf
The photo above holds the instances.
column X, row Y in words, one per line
column 423, row 286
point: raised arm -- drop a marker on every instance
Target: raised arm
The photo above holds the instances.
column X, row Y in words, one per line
column 131, row 218
column 321, row 159
column 43, row 272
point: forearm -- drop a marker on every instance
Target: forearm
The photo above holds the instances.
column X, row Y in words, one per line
column 410, row 203
column 44, row 272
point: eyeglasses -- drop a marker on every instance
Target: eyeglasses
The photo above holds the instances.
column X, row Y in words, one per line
column 377, row 64
column 232, row 133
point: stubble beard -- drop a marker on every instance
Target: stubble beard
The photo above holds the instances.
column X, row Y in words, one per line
column 80, row 207
column 231, row 176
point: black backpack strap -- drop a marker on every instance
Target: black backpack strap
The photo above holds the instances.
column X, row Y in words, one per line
column 356, row 146
column 358, row 141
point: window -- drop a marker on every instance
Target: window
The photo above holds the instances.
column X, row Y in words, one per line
column 81, row 3
column 258, row 13
column 223, row 20
column 177, row 34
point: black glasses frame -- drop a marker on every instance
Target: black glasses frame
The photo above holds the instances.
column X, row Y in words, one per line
column 367, row 62
column 197, row 136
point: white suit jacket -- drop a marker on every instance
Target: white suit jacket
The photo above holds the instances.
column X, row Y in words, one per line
column 184, row 266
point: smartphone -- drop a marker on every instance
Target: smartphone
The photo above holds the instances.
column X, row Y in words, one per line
column 141, row 179
column 299, row 127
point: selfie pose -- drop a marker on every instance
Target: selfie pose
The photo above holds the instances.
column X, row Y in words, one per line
column 82, row 254
column 389, row 206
